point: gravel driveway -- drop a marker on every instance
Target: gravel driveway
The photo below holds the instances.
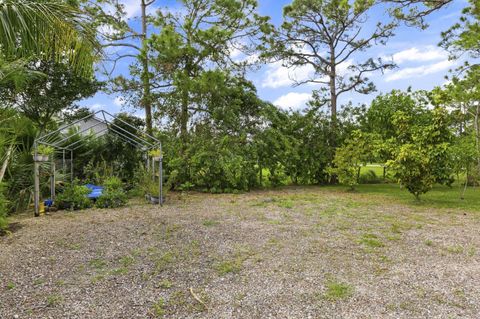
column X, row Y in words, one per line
column 306, row 252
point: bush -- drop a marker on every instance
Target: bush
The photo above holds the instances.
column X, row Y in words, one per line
column 113, row 195
column 113, row 183
column 74, row 197
column 111, row 198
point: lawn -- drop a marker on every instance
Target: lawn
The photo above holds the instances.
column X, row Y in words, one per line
column 294, row 252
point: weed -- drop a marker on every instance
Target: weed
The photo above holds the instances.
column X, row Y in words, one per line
column 127, row 261
column 166, row 284
column 159, row 308
column 285, row 203
column 338, row 290
column 210, row 223
column 53, row 300
column 371, row 240
column 97, row 263
column 10, row 286
column 456, row 249
column 38, row 281
column 428, row 242
column 230, row 266
column 165, row 260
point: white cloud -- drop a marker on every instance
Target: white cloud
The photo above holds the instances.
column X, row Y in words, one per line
column 293, row 100
column 131, row 7
column 119, row 101
column 96, row 107
column 416, row 72
column 424, row 54
column 277, row 75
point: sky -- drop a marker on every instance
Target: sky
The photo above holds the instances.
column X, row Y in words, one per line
column 421, row 64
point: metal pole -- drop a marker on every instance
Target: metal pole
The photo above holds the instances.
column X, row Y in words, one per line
column 52, row 180
column 36, row 173
column 64, row 169
column 71, row 166
column 160, row 181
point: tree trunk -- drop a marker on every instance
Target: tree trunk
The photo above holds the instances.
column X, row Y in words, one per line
column 184, row 121
column 333, row 89
column 477, row 137
column 5, row 162
column 146, row 99
column 333, row 99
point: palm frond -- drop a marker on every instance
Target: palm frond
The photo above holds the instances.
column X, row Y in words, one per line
column 50, row 29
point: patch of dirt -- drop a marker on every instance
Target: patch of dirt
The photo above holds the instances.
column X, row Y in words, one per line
column 290, row 253
column 12, row 227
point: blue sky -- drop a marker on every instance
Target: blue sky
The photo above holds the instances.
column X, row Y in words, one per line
column 421, row 63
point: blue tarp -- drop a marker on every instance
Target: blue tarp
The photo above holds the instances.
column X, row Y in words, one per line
column 96, row 191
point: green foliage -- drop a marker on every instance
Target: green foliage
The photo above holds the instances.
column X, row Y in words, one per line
column 3, row 209
column 111, row 198
column 43, row 98
column 351, row 156
column 45, row 150
column 74, row 197
column 421, row 154
column 113, row 195
column 370, row 177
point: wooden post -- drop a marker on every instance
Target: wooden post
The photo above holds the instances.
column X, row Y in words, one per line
column 36, row 195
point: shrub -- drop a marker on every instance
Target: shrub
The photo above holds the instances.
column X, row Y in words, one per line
column 113, row 183
column 111, row 198
column 113, row 195
column 74, row 197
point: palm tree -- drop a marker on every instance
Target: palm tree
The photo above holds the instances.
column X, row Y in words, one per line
column 49, row 29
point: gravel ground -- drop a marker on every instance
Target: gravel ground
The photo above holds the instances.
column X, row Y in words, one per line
column 291, row 253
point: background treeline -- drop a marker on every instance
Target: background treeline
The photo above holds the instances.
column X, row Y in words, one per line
column 187, row 72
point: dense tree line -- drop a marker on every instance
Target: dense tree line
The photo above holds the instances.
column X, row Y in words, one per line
column 218, row 135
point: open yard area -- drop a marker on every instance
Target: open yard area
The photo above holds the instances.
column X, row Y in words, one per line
column 295, row 252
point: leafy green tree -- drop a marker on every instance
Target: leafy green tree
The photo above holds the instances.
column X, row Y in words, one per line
column 45, row 98
column 357, row 151
column 191, row 55
column 464, row 36
column 421, row 155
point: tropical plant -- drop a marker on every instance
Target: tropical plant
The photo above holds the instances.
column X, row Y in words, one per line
column 49, row 28
column 74, row 197
column 113, row 194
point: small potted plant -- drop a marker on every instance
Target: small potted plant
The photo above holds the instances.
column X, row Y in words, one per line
column 155, row 154
column 43, row 153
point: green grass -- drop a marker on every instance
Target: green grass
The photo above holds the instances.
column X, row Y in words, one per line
column 159, row 308
column 229, row 266
column 97, row 263
column 165, row 284
column 371, row 240
column 439, row 197
column 210, row 223
column 54, row 300
column 338, row 290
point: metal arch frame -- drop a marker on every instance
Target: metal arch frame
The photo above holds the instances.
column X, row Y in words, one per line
column 109, row 120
